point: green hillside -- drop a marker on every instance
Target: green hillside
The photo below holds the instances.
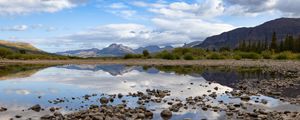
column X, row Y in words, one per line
column 24, row 51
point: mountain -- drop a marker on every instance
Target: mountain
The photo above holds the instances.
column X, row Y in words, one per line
column 81, row 53
column 113, row 50
column 192, row 44
column 113, row 70
column 152, row 49
column 282, row 27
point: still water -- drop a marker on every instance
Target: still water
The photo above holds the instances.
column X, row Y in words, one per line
column 24, row 86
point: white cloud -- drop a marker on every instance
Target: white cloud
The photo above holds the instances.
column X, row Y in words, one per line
column 127, row 14
column 158, row 4
column 196, row 20
column 15, row 28
column 118, row 6
column 13, row 7
column 288, row 8
column 133, row 35
column 195, row 29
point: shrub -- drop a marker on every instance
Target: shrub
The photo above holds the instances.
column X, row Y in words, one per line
column 4, row 52
column 131, row 56
column 285, row 55
column 146, row 53
column 298, row 57
column 215, row 56
column 168, row 56
column 237, row 57
column 249, row 55
column 188, row 57
column 266, row 54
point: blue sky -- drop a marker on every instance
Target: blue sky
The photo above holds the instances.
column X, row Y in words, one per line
column 59, row 25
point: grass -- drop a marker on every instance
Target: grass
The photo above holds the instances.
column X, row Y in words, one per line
column 198, row 54
column 6, row 53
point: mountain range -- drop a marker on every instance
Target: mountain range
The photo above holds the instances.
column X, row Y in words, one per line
column 282, row 27
column 113, row 50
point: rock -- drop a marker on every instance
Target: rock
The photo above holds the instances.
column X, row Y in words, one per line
column 148, row 114
column 245, row 98
column 57, row 114
column 36, row 108
column 52, row 109
column 263, row 101
column 216, row 88
column 120, row 95
column 103, row 100
column 2, row 109
column 18, row 116
column 231, row 107
column 166, row 114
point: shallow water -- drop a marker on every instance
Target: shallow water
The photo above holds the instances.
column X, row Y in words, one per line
column 23, row 88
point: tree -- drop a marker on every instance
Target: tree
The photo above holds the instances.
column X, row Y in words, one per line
column 266, row 45
column 281, row 46
column 297, row 44
column 273, row 45
column 146, row 53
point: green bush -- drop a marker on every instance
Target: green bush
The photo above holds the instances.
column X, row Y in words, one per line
column 266, row 54
column 131, row 56
column 215, row 56
column 168, row 56
column 249, row 55
column 188, row 57
column 298, row 57
column 146, row 53
column 237, row 57
column 285, row 56
column 4, row 52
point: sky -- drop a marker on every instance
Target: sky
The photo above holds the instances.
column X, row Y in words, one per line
column 60, row 25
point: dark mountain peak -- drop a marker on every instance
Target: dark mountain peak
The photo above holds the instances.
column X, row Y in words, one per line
column 282, row 27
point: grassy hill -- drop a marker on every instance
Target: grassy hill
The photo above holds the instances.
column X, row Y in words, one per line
column 24, row 51
column 18, row 45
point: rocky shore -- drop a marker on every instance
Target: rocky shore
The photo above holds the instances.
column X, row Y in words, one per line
column 105, row 110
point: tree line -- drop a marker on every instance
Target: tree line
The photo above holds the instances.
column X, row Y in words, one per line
column 290, row 43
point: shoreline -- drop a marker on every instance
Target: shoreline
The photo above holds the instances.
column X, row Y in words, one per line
column 275, row 64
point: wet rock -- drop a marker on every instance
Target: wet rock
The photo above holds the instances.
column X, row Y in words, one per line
column 120, row 95
column 52, row 109
column 46, row 117
column 245, row 98
column 57, row 114
column 231, row 107
column 216, row 88
column 36, row 108
column 2, row 109
column 166, row 114
column 263, row 101
column 18, row 116
column 87, row 97
column 229, row 113
column 103, row 100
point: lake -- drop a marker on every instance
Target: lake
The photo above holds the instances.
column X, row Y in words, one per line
column 66, row 87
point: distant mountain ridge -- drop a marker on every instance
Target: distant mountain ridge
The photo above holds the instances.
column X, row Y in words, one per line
column 113, row 50
column 282, row 27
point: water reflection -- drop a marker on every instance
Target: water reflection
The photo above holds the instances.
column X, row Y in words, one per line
column 19, row 92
